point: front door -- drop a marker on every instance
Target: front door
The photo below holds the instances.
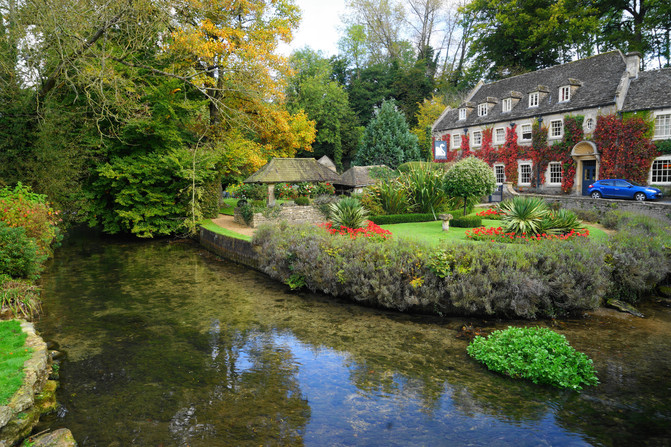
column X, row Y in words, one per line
column 588, row 175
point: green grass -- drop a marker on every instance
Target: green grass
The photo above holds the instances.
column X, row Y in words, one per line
column 432, row 232
column 228, row 206
column 13, row 355
column 209, row 225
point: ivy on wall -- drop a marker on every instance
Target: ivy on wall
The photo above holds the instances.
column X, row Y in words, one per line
column 509, row 153
column 625, row 146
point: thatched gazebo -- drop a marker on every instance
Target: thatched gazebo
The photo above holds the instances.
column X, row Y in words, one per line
column 358, row 177
column 291, row 170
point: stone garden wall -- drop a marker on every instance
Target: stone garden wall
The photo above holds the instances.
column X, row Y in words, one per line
column 293, row 214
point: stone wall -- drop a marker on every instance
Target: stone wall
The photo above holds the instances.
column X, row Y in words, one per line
column 35, row 397
column 660, row 210
column 237, row 250
column 291, row 213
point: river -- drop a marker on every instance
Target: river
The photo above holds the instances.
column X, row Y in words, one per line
column 168, row 345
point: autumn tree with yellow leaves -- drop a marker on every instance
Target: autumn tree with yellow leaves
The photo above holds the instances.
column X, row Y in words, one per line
column 143, row 106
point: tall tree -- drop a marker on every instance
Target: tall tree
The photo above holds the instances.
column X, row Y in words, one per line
column 387, row 140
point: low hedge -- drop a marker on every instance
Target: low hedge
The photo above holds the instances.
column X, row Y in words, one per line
column 466, row 222
column 388, row 219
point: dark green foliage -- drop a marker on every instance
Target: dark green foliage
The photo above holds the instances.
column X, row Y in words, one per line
column 388, row 219
column 252, row 191
column 466, row 221
column 588, row 215
column 302, row 201
column 424, row 186
column 323, row 202
column 470, row 178
column 387, row 140
column 640, row 255
column 561, row 221
column 18, row 253
column 548, row 279
column 524, row 215
column 210, row 199
column 537, row 354
column 663, row 146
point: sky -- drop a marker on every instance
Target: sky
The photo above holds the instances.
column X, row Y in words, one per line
column 319, row 26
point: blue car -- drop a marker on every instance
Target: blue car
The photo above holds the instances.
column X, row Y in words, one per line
column 622, row 189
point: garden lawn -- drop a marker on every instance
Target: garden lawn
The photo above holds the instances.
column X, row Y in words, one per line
column 433, row 233
column 209, row 225
column 13, row 355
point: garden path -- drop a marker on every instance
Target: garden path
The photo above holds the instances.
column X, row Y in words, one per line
column 228, row 223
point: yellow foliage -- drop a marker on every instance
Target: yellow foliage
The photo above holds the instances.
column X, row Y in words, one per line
column 428, row 113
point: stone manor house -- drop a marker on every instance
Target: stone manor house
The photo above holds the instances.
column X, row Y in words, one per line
column 600, row 85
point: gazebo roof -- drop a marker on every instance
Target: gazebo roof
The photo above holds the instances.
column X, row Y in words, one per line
column 293, row 170
column 358, row 176
column 326, row 161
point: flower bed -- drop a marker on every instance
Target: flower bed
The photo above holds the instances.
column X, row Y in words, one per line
column 499, row 235
column 371, row 230
column 490, row 214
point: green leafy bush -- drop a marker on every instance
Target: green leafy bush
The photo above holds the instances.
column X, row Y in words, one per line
column 348, row 212
column 302, row 201
column 470, row 178
column 537, row 354
column 388, row 219
column 466, row 221
column 561, row 221
column 19, row 257
column 250, row 191
column 391, row 197
column 424, row 187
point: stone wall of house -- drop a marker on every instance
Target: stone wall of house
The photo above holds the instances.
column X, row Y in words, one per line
column 291, row 213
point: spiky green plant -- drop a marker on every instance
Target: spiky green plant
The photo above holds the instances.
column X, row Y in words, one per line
column 391, row 196
column 524, row 215
column 424, row 184
column 561, row 221
column 349, row 213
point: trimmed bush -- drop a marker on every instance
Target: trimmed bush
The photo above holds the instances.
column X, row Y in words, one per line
column 537, row 354
column 466, row 221
column 302, row 201
column 516, row 281
column 401, row 218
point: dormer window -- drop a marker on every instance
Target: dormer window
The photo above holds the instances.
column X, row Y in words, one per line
column 462, row 114
column 565, row 93
column 482, row 109
column 507, row 105
column 533, row 99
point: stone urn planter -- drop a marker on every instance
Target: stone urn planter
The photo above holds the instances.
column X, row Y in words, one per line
column 446, row 218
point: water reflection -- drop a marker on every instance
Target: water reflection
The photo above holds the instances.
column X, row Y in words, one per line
column 168, row 345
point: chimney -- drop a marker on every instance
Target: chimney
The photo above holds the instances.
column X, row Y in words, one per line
column 633, row 60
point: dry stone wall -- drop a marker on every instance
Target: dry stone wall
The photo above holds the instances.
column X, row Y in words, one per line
column 292, row 214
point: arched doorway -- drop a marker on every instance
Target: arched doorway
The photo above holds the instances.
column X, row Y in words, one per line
column 587, row 166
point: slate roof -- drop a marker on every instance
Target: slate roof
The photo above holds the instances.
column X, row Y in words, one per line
column 293, row 170
column 358, row 176
column 599, row 77
column 651, row 90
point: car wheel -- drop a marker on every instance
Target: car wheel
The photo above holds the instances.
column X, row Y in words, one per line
column 596, row 195
column 639, row 196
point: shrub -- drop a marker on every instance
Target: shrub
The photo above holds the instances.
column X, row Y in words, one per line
column 470, row 178
column 302, row 201
column 517, row 281
column 588, row 215
column 466, row 221
column 391, row 197
column 348, row 212
column 323, row 202
column 20, row 297
column 388, row 219
column 251, row 191
column 19, row 257
column 562, row 221
column 424, row 187
column 537, row 354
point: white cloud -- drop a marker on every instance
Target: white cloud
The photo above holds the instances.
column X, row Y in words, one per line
column 319, row 28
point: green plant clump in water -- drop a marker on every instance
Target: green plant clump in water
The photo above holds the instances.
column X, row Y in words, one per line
column 13, row 355
column 538, row 354
column 348, row 213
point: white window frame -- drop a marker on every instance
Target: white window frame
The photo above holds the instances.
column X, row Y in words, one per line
column 462, row 114
column 456, row 141
column 553, row 129
column 502, row 173
column 496, row 135
column 522, row 132
column 482, row 109
column 477, row 138
column 660, row 164
column 565, row 93
column 520, row 171
column 662, row 126
column 552, row 174
column 507, row 105
column 534, row 99
column 589, row 124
